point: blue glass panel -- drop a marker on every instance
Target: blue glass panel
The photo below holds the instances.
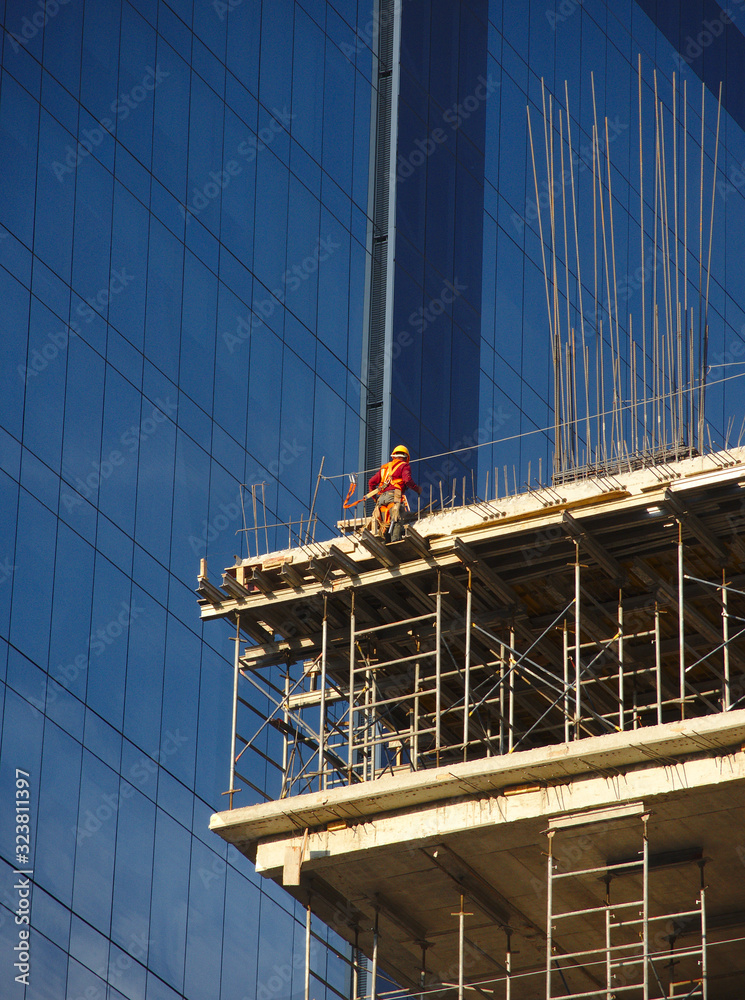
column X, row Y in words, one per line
column 93, row 206
column 210, row 25
column 134, row 854
column 98, row 81
column 89, row 946
column 81, row 982
column 103, row 740
column 171, row 121
column 174, row 29
column 19, row 137
column 113, row 612
column 134, row 105
column 94, row 860
column 164, row 290
column 71, row 618
column 175, row 798
column 338, row 113
column 51, row 918
column 272, row 179
column 198, row 332
column 58, row 822
column 22, row 367
column 240, row 937
column 214, row 712
column 126, row 432
column 35, row 544
column 177, row 749
column 65, row 709
column 205, row 929
column 63, row 44
column 143, row 691
column 276, row 28
column 308, row 87
column 81, row 453
column 189, row 505
column 129, row 282
column 169, row 905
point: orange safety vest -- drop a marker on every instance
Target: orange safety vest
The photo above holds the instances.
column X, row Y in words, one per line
column 390, row 476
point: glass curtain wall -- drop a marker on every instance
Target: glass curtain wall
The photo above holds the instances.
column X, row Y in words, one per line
column 541, row 56
column 183, row 242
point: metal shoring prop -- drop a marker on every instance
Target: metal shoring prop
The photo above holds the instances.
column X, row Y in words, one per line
column 704, row 969
column 608, row 972
column 621, row 713
column 438, row 670
column 508, row 965
column 356, row 965
column 645, row 905
column 415, row 738
column 286, row 720
column 681, row 623
column 577, row 694
column 511, row 705
column 350, row 761
column 322, row 720
column 658, row 661
column 549, row 909
column 565, row 645
column 423, row 972
column 467, row 681
column 234, row 728
column 374, row 970
column 725, row 639
column 307, row 948
column 461, row 915
column 501, row 698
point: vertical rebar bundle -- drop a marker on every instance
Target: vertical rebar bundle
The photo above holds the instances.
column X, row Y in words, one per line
column 649, row 394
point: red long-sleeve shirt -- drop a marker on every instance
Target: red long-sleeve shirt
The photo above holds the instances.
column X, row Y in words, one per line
column 401, row 470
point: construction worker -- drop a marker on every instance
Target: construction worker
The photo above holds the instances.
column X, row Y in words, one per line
column 391, row 482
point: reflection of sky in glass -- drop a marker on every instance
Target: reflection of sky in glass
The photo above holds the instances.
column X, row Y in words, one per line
column 182, row 272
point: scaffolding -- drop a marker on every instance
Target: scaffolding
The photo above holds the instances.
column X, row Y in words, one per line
column 639, row 947
column 623, row 610
column 610, row 608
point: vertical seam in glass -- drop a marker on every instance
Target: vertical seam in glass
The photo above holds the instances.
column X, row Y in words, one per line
column 379, row 279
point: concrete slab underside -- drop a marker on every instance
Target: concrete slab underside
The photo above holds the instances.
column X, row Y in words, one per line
column 411, row 845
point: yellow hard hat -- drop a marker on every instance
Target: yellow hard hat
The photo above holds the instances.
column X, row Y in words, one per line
column 400, row 451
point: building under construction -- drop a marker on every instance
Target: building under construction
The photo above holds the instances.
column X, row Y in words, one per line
column 503, row 757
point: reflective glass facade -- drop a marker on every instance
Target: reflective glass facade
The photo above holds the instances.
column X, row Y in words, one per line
column 183, row 254
column 479, row 367
column 184, row 244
